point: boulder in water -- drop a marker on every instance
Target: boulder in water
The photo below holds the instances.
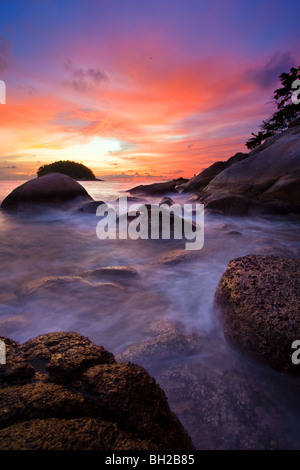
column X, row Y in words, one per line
column 257, row 302
column 54, row 189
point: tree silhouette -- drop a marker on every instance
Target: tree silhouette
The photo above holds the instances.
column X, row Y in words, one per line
column 287, row 110
column 75, row 170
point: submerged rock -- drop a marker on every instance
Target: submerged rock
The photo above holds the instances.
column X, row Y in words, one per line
column 257, row 301
column 54, row 189
column 153, row 218
column 60, row 391
column 174, row 257
column 229, row 404
column 113, row 273
column 225, row 401
column 67, row 284
column 170, row 342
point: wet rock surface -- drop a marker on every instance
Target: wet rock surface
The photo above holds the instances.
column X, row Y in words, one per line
column 227, row 403
column 60, row 391
column 257, row 302
column 223, row 400
column 169, row 341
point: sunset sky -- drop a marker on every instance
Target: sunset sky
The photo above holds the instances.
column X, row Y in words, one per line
column 138, row 89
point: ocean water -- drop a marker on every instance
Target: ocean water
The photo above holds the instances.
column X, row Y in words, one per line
column 43, row 258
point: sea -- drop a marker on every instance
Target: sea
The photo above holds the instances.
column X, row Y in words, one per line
column 38, row 248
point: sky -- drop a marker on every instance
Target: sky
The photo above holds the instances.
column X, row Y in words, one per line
column 138, row 89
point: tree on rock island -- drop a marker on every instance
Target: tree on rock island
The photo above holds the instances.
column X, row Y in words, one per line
column 74, row 170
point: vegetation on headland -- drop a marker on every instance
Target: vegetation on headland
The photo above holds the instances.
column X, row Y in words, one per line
column 288, row 109
column 74, row 170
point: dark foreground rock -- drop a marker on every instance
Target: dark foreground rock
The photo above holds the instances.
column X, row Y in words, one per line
column 60, row 391
column 52, row 189
column 258, row 304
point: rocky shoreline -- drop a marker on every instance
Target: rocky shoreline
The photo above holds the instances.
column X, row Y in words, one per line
column 60, row 390
column 266, row 180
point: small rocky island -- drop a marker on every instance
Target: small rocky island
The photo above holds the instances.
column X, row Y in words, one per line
column 74, row 170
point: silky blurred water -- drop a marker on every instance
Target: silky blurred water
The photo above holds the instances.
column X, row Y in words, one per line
column 111, row 313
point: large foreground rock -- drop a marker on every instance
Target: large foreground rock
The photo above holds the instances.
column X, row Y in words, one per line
column 258, row 303
column 51, row 189
column 60, row 391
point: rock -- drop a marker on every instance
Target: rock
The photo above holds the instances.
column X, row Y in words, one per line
column 225, row 401
column 234, row 205
column 134, row 199
column 198, row 182
column 167, row 200
column 73, row 395
column 174, row 257
column 108, row 279
column 227, row 404
column 54, row 189
column 295, row 123
column 112, row 273
column 91, row 207
column 74, row 170
column 158, row 188
column 69, row 434
column 63, row 285
column 270, row 175
column 234, row 233
column 144, row 213
column 257, row 302
column 169, row 343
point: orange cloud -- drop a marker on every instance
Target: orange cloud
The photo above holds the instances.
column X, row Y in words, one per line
column 152, row 108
